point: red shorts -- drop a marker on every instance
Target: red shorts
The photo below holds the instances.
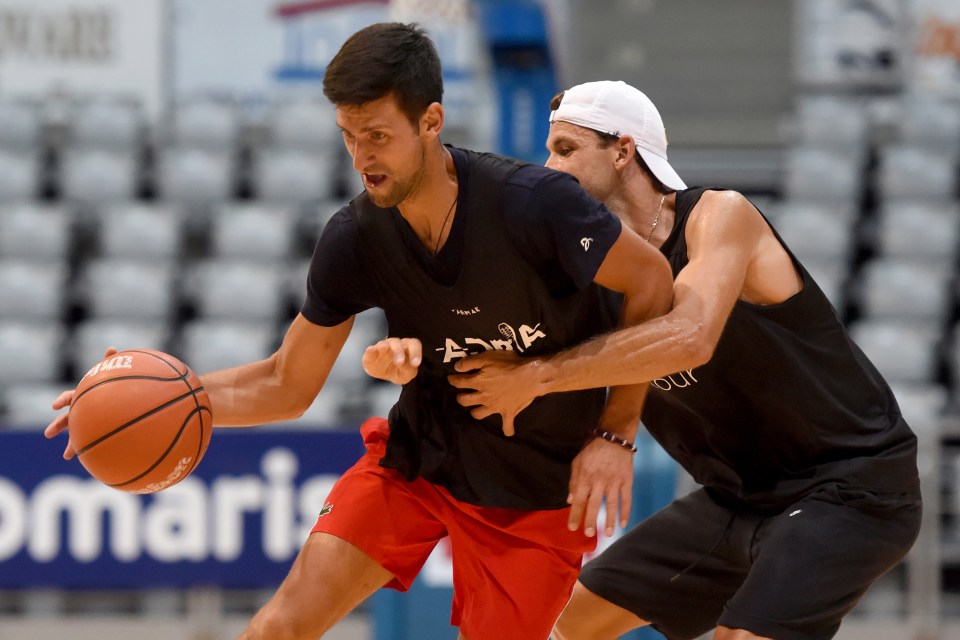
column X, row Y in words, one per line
column 513, row 570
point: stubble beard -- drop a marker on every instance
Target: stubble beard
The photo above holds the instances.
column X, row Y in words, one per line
column 401, row 189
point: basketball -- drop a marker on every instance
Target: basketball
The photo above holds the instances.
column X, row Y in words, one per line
column 140, row 421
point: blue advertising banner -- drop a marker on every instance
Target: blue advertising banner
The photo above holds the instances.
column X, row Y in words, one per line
column 237, row 522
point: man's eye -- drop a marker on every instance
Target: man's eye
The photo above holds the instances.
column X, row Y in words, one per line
column 565, row 151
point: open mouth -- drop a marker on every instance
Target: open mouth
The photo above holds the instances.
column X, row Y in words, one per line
column 373, row 180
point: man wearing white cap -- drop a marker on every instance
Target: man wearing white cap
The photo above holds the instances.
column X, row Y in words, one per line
column 808, row 471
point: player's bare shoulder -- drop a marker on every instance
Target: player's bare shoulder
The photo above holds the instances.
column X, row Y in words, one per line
column 722, row 213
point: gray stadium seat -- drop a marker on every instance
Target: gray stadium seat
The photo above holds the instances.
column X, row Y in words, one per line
column 816, row 230
column 918, row 230
column 326, row 408
column 910, row 171
column 35, row 232
column 99, row 177
column 92, row 337
column 382, row 398
column 920, row 402
column 105, row 122
column 904, row 352
column 141, row 232
column 817, row 173
column 236, row 290
column 32, row 291
column 290, row 176
column 193, row 177
column 831, row 277
column 209, row 345
column 296, row 281
column 252, row 232
column 26, row 406
column 30, row 352
column 21, row 126
column 309, row 125
column 831, row 121
column 124, row 288
column 369, row 327
column 205, row 124
column 929, row 121
column 903, row 289
column 19, row 175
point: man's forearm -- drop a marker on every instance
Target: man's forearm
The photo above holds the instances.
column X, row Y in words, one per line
column 249, row 395
column 633, row 355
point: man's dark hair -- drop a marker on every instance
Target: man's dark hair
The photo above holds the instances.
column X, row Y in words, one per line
column 607, row 139
column 384, row 58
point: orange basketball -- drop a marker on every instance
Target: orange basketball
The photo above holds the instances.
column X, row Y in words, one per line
column 140, row 421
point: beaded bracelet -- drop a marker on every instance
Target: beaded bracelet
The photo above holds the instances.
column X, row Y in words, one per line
column 615, row 439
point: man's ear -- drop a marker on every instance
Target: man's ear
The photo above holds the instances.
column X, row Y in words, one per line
column 431, row 122
column 625, row 150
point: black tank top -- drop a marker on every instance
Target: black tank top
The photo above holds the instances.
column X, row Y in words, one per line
column 786, row 404
column 497, row 301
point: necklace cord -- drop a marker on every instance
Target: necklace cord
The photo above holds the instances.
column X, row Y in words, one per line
column 436, row 247
column 656, row 219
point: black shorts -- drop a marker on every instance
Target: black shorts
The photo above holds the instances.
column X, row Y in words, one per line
column 790, row 576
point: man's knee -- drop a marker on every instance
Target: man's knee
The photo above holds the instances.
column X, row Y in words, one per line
column 590, row 617
column 272, row 623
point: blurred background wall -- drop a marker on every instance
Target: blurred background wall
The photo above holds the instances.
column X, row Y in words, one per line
column 167, row 165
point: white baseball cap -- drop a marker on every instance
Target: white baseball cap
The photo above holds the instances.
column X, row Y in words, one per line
column 616, row 108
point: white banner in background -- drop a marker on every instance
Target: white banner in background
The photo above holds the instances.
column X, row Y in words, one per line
column 83, row 47
column 254, row 50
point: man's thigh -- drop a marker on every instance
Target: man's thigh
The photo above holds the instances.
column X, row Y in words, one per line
column 814, row 562
column 677, row 568
column 513, row 571
column 393, row 521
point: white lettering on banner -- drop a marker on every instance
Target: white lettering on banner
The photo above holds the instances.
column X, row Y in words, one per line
column 190, row 521
column 83, row 48
column 13, row 519
column 175, row 526
column 71, row 35
column 84, row 503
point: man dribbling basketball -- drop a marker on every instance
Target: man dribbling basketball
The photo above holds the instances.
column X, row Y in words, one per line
column 455, row 246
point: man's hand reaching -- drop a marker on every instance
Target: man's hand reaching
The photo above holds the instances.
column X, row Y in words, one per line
column 395, row 360
column 496, row 382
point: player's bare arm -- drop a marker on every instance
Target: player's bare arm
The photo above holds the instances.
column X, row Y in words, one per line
column 603, row 472
column 282, row 386
column 733, row 255
column 395, row 360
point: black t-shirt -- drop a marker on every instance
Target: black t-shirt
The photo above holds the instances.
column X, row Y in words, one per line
column 787, row 403
column 515, row 274
column 548, row 216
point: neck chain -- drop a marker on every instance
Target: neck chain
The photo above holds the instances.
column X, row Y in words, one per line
column 657, row 218
column 436, row 247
